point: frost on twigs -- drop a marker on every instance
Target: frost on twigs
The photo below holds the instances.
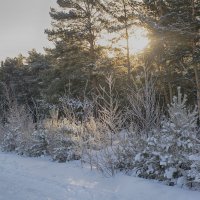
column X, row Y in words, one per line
column 164, row 155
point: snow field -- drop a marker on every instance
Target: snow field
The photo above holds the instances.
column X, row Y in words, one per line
column 40, row 179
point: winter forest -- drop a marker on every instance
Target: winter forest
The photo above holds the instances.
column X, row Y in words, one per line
column 118, row 91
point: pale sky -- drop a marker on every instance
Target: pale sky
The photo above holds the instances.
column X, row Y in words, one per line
column 22, row 24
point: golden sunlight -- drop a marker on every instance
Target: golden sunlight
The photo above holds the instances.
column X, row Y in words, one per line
column 138, row 40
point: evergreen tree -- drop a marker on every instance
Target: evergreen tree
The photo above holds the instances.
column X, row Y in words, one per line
column 175, row 42
column 76, row 27
column 37, row 64
column 13, row 75
column 120, row 19
column 78, row 20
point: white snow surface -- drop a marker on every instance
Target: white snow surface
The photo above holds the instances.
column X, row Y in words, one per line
column 41, row 179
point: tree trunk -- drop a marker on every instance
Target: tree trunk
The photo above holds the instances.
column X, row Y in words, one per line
column 127, row 43
column 197, row 78
column 196, row 65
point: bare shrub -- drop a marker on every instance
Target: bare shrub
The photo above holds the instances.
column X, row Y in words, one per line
column 143, row 115
column 144, row 111
column 103, row 132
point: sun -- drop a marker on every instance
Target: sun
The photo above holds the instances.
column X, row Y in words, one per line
column 138, row 40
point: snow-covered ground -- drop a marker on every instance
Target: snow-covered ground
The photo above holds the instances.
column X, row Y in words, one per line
column 40, row 179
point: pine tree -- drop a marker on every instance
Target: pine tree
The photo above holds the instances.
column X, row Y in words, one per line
column 13, row 75
column 166, row 155
column 76, row 27
column 120, row 19
column 175, row 26
column 77, row 20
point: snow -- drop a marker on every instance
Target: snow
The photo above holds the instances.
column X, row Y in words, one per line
column 169, row 172
column 40, row 179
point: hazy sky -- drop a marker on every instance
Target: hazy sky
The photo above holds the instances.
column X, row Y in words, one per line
column 22, row 24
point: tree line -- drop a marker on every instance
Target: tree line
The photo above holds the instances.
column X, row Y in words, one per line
column 78, row 64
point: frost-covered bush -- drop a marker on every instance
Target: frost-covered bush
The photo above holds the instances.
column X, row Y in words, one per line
column 63, row 138
column 38, row 144
column 101, row 133
column 17, row 131
column 183, row 120
column 143, row 114
column 144, row 111
column 126, row 150
column 161, row 161
column 58, row 138
column 64, row 148
column 9, row 138
column 75, row 109
column 192, row 178
column 166, row 154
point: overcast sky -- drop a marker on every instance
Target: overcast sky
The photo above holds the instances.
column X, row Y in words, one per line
column 22, row 24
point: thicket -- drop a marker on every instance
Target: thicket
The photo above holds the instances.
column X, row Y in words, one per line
column 137, row 139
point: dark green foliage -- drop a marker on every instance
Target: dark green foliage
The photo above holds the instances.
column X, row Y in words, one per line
column 77, row 64
column 174, row 48
column 75, row 57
